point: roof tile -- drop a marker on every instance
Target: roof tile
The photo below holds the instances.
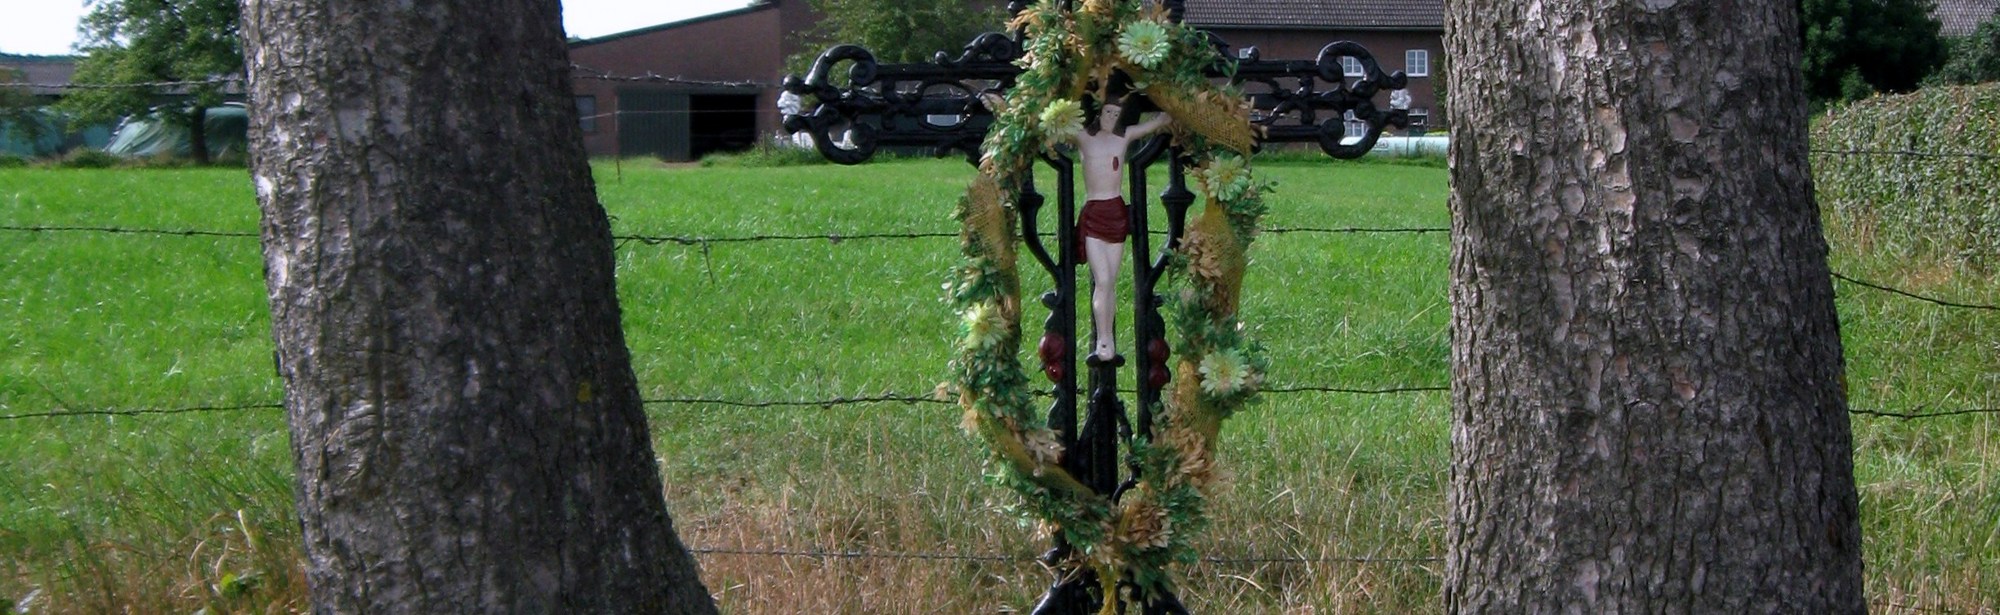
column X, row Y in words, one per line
column 1320, row 14
column 1961, row 17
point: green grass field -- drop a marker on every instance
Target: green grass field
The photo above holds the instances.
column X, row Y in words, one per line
column 1335, row 502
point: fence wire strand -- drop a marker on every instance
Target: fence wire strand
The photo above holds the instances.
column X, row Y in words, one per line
column 113, row 230
column 1355, row 230
column 1906, row 153
column 1030, row 559
column 143, row 85
column 1919, row 413
column 142, row 411
column 836, row 238
column 1951, row 304
column 884, row 398
column 695, row 240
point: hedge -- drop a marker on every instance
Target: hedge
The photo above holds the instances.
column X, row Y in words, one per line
column 1919, row 173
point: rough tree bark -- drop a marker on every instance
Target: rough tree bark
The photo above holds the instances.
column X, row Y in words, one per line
column 1648, row 411
column 464, row 417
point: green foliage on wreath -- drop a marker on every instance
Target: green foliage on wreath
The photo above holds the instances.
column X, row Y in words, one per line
column 1071, row 53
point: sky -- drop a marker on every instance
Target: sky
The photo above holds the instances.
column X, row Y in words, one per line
column 48, row 27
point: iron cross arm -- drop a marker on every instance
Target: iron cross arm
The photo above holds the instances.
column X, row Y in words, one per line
column 1289, row 98
column 934, row 106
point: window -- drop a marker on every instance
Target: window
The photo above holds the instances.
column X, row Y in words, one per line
column 586, row 111
column 1356, row 128
column 1351, row 67
column 1417, row 63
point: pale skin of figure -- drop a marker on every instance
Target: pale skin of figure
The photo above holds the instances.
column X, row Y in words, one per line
column 1103, row 157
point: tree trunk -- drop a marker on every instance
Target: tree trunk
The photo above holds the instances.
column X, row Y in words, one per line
column 1648, row 411
column 198, row 133
column 467, row 429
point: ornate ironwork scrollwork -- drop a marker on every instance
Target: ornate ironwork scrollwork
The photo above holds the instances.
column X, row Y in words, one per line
column 935, row 105
column 1294, row 113
column 988, row 48
column 931, row 105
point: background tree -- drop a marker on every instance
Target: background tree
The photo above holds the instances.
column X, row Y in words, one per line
column 463, row 413
column 898, row 31
column 148, row 41
column 1855, row 48
column 1648, row 412
column 1974, row 59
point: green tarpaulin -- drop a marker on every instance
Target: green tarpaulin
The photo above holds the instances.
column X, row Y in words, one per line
column 142, row 137
column 41, row 133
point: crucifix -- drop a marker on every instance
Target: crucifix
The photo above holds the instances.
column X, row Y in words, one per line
column 1113, row 86
column 1101, row 146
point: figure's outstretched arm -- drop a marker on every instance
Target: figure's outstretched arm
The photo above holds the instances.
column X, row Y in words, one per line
column 1147, row 127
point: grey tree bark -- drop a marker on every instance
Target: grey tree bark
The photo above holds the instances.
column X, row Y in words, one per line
column 467, row 429
column 1648, row 405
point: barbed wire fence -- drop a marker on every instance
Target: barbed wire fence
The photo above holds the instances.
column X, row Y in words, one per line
column 827, row 554
column 904, row 398
column 64, row 410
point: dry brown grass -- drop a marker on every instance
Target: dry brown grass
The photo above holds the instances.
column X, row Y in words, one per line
column 1289, row 535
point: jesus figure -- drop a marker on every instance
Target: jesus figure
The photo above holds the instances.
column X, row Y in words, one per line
column 1102, row 144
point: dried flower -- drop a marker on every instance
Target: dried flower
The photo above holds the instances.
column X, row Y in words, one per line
column 1196, row 467
column 969, row 421
column 1144, row 524
column 1202, row 260
column 1043, row 446
column 1144, row 43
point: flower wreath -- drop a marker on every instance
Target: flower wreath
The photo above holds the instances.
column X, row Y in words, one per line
column 1217, row 370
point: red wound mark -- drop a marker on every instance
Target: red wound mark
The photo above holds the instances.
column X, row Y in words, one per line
column 1114, row 163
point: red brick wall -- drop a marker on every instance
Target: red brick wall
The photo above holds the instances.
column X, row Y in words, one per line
column 734, row 47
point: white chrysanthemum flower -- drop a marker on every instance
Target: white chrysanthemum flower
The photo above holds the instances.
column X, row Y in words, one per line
column 1062, row 118
column 1144, row 43
column 983, row 326
column 1223, row 373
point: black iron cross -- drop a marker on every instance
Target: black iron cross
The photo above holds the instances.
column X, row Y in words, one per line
column 935, row 106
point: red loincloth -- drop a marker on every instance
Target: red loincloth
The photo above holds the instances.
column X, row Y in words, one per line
column 1104, row 219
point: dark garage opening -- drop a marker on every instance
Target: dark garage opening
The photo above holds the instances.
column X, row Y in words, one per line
column 722, row 123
